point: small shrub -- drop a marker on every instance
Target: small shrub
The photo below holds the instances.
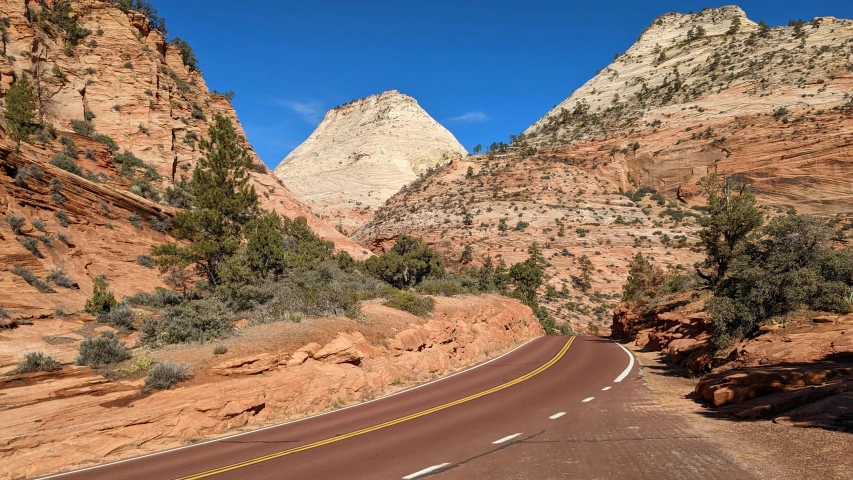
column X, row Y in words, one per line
column 197, row 113
column 119, row 317
column 32, row 244
column 165, row 376
column 145, row 260
column 64, row 239
column 89, row 154
column 107, row 140
column 82, row 127
column 102, row 299
column 17, row 223
column 47, row 240
column 159, row 298
column 193, row 321
column 408, row 302
column 33, row 280
column 56, row 185
column 58, row 198
column 128, row 65
column 60, row 279
column 160, row 224
column 103, row 350
column 66, row 163
column 38, row 362
column 61, row 217
column 135, row 220
column 39, row 225
column 220, row 350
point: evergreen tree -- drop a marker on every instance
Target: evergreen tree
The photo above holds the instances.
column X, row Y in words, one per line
column 20, row 111
column 224, row 202
column 102, row 299
column 586, row 273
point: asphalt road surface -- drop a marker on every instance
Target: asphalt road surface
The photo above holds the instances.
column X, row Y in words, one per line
column 557, row 407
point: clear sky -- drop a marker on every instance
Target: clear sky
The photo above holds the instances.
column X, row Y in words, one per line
column 484, row 69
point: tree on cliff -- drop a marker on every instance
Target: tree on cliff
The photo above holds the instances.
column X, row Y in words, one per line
column 224, row 202
column 20, row 103
column 187, row 54
column 407, row 264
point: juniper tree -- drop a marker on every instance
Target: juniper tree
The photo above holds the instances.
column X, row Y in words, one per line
column 20, row 111
column 224, row 201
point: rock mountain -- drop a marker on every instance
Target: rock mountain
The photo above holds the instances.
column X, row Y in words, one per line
column 362, row 153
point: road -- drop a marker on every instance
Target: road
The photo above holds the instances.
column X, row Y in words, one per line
column 557, row 407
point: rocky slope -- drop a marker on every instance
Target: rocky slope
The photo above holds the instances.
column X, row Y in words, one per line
column 127, row 82
column 271, row 373
column 362, row 153
column 714, row 91
column 507, row 202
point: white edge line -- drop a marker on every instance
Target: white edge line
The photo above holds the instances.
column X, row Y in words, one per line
column 588, row 399
column 557, row 415
column 605, row 389
column 55, row 475
column 424, row 471
column 507, row 438
column 630, row 364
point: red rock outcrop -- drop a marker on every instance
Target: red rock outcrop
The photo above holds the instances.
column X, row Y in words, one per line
column 96, row 420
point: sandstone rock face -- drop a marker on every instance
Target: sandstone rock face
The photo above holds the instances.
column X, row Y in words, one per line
column 362, row 153
column 133, row 86
column 677, row 106
column 83, row 418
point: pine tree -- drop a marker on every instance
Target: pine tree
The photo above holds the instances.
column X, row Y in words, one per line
column 224, row 202
column 586, row 273
column 20, row 111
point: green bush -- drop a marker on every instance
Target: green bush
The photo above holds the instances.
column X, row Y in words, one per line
column 159, row 298
column 39, row 225
column 135, row 220
column 409, row 262
column 165, row 376
column 33, row 280
column 66, row 163
column 448, row 286
column 103, row 350
column 193, row 321
column 38, row 362
column 102, row 299
column 408, row 302
column 106, row 140
column 145, row 260
column 16, row 222
column 82, row 127
column 61, row 217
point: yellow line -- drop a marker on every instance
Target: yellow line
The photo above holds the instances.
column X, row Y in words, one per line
column 389, row 423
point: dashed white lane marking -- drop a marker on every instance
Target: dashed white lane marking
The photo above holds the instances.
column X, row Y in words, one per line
column 587, row 399
column 557, row 415
column 605, row 389
column 628, row 368
column 425, row 471
column 502, row 440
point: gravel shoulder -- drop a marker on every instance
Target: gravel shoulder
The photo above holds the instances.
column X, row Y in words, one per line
column 768, row 450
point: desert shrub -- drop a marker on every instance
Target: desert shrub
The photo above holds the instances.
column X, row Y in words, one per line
column 102, row 350
column 102, row 299
column 325, row 291
column 82, row 127
column 448, row 286
column 220, row 350
column 66, row 163
column 644, row 278
column 197, row 113
column 164, row 376
column 408, row 302
column 159, row 298
column 39, row 225
column 89, row 154
column 160, row 224
column 60, row 278
column 193, row 321
column 135, row 220
column 69, row 146
column 32, row 244
column 145, row 260
column 64, row 239
column 61, row 217
column 406, row 264
column 16, row 222
column 33, row 280
column 121, row 316
column 38, row 362
column 47, row 240
column 179, row 195
column 106, row 140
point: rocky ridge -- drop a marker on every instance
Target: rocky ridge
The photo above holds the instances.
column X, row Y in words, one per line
column 362, row 153
column 716, row 92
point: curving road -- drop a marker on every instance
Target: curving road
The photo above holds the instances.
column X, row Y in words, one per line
column 557, row 407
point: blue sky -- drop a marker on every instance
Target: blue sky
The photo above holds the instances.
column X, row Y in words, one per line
column 484, row 69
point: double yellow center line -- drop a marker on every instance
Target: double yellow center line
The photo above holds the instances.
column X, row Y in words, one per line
column 389, row 423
